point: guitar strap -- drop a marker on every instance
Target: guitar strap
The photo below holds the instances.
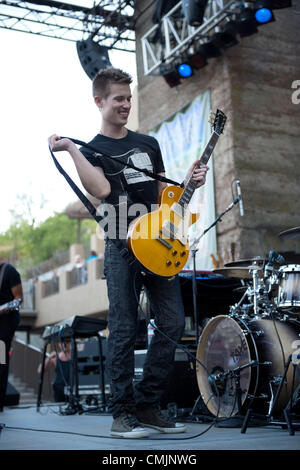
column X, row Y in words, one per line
column 121, row 245
column 2, row 268
column 143, row 170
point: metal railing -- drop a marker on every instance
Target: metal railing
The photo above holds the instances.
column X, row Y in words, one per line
column 77, row 277
column 51, row 286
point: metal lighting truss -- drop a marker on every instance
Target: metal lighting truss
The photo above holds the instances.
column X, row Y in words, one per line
column 177, row 36
column 109, row 22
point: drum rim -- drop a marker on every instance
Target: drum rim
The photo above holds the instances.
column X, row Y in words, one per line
column 290, row 266
column 253, row 380
column 285, row 332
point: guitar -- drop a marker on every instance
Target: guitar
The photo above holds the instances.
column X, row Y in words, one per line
column 159, row 239
column 13, row 305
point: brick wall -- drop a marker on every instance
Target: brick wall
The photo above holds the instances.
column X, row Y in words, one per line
column 251, row 83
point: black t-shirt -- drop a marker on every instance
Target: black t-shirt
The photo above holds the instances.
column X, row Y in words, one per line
column 132, row 192
column 11, row 279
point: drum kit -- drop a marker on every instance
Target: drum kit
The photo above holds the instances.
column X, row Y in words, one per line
column 249, row 359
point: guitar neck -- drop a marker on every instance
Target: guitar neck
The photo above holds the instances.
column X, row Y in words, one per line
column 192, row 184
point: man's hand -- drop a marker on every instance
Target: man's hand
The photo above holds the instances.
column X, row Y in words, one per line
column 57, row 144
column 198, row 174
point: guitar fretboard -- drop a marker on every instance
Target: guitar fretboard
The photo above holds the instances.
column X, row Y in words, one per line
column 192, row 184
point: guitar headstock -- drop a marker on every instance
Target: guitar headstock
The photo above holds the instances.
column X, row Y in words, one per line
column 219, row 121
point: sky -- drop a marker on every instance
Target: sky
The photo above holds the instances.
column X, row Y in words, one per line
column 43, row 90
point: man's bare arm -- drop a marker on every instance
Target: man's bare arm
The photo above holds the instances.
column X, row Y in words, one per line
column 92, row 178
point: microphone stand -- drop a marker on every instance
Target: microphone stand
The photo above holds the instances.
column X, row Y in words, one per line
column 194, row 250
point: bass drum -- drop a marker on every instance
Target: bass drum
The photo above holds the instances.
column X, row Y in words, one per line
column 228, row 343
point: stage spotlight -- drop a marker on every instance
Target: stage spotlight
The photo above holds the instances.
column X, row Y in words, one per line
column 174, row 73
column 197, row 61
column 92, row 56
column 193, row 11
column 263, row 11
column 172, row 77
column 228, row 35
column 209, row 50
column 246, row 22
column 226, row 38
column 184, row 70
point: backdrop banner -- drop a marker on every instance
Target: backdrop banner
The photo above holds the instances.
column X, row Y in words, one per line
column 182, row 138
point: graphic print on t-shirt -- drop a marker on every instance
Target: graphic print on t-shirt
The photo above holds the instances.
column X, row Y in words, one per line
column 134, row 157
column 140, row 160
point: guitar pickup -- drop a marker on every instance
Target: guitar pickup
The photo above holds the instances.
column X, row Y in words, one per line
column 164, row 242
column 169, row 230
column 167, row 233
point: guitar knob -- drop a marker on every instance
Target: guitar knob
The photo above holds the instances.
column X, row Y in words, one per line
column 174, row 252
column 177, row 263
column 168, row 262
column 182, row 253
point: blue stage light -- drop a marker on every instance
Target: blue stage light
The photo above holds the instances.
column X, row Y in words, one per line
column 185, row 70
column 263, row 15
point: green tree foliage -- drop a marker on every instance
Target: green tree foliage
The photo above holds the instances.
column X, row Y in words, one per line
column 26, row 244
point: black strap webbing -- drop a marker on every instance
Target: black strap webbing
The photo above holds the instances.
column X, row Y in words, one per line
column 143, row 170
column 93, row 211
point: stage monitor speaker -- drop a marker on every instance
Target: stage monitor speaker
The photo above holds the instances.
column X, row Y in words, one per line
column 92, row 56
column 12, row 396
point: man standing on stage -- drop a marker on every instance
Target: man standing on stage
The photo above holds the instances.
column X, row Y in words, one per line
column 133, row 408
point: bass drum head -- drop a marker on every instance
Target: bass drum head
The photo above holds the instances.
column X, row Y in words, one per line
column 229, row 343
column 222, row 346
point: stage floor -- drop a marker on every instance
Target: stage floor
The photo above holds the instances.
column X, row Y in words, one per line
column 25, row 428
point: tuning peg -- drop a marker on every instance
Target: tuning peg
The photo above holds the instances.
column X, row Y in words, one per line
column 212, row 118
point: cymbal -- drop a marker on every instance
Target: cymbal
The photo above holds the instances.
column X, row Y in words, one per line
column 240, row 272
column 291, row 234
column 245, row 262
column 240, row 289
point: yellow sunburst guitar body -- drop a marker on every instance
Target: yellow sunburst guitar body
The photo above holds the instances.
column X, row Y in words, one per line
column 159, row 239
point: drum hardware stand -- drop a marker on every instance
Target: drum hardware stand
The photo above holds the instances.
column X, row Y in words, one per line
column 235, row 373
column 194, row 250
column 254, row 271
column 287, row 412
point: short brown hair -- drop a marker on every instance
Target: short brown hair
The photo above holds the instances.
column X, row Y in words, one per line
column 105, row 77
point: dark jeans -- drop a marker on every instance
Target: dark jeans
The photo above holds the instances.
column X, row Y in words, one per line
column 8, row 325
column 124, row 285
